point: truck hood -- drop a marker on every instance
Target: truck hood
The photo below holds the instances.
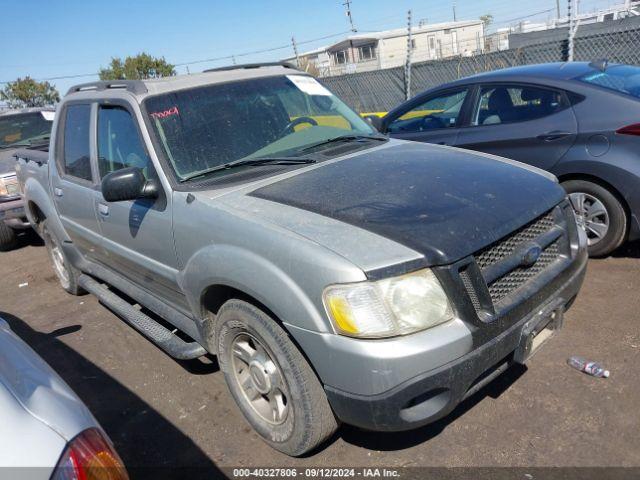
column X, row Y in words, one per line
column 442, row 202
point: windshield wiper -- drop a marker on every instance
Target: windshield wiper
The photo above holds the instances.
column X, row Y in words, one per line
column 254, row 162
column 345, row 138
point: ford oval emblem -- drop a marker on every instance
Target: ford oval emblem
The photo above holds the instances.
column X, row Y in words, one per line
column 531, row 256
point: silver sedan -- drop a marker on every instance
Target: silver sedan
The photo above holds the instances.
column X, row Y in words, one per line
column 46, row 432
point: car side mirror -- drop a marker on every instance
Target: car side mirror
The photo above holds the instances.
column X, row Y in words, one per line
column 375, row 121
column 128, row 184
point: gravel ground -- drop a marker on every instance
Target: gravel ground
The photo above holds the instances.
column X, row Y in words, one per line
column 164, row 413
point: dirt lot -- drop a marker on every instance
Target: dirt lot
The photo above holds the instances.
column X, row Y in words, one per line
column 161, row 412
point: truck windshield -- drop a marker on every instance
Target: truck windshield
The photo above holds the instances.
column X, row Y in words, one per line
column 621, row 78
column 205, row 127
column 22, row 129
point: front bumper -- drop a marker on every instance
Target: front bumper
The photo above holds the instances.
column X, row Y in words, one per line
column 434, row 393
column 13, row 214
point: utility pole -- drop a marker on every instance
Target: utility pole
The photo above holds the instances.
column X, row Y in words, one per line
column 233, row 59
column 407, row 67
column 347, row 4
column 557, row 10
column 295, row 51
column 454, row 12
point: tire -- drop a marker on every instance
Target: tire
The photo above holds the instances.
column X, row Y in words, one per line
column 8, row 237
column 606, row 230
column 67, row 274
column 299, row 418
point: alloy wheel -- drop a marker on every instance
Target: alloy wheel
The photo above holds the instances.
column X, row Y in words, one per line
column 591, row 215
column 260, row 379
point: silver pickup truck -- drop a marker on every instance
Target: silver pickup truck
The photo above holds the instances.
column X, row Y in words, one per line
column 338, row 275
column 23, row 128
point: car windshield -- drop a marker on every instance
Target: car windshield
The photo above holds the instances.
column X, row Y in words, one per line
column 207, row 127
column 621, row 78
column 22, row 129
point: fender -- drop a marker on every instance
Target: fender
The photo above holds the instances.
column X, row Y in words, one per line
column 34, row 192
column 617, row 177
column 254, row 275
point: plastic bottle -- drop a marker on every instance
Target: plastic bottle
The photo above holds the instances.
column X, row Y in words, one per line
column 592, row 368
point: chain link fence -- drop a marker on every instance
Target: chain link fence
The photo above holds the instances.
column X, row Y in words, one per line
column 381, row 90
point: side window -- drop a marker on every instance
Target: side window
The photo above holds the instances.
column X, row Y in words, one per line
column 442, row 111
column 509, row 104
column 77, row 157
column 119, row 144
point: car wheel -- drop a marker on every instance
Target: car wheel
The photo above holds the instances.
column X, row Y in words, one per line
column 67, row 274
column 272, row 383
column 8, row 237
column 600, row 213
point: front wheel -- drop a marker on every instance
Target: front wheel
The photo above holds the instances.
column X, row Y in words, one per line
column 600, row 213
column 270, row 380
column 8, row 237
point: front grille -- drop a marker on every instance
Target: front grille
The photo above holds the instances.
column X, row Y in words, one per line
column 513, row 280
column 505, row 247
column 468, row 284
column 500, row 288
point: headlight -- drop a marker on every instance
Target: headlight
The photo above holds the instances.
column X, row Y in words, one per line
column 389, row 307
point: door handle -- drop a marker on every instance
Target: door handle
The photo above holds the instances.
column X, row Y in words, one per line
column 103, row 209
column 58, row 192
column 554, row 135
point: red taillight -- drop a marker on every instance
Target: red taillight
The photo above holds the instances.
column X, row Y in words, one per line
column 90, row 456
column 633, row 129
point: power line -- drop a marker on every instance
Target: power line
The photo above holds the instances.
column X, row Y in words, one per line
column 194, row 62
column 526, row 16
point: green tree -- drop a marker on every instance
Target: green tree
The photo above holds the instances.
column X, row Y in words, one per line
column 487, row 19
column 27, row 92
column 139, row 67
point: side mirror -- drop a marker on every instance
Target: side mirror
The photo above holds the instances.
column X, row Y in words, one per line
column 375, row 121
column 128, row 184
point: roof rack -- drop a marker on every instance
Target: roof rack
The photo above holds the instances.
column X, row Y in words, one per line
column 133, row 86
column 247, row 66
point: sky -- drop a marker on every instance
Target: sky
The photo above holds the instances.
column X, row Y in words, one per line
column 57, row 38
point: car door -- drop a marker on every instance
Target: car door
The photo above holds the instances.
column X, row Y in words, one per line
column 74, row 183
column 137, row 235
column 433, row 118
column 529, row 123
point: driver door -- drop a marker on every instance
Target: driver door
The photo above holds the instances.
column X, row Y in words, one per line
column 138, row 234
column 435, row 118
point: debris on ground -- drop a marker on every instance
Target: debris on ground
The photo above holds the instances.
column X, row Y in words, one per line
column 591, row 368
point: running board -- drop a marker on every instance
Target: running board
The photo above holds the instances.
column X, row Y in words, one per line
column 158, row 334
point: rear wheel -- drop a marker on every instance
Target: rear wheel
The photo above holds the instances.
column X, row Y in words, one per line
column 8, row 237
column 600, row 213
column 67, row 274
column 270, row 380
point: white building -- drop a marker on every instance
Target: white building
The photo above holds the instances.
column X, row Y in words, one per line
column 386, row 49
column 499, row 40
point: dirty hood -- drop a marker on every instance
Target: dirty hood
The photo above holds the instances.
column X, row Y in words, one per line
column 442, row 202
